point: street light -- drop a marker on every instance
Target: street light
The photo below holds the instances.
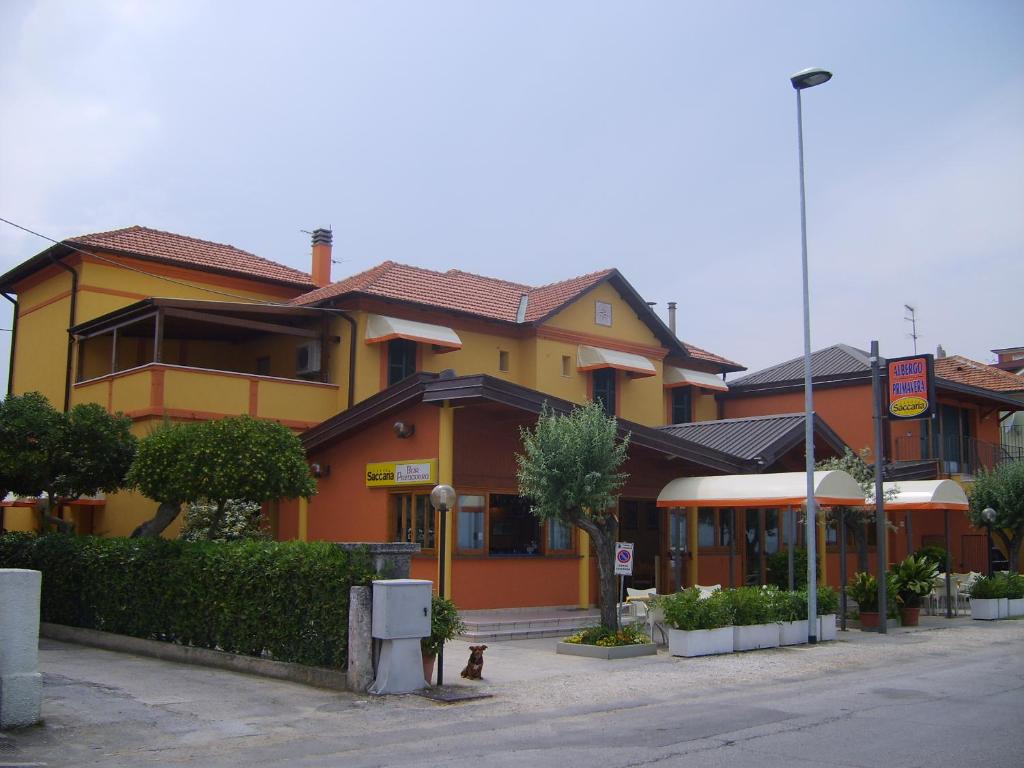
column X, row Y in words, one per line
column 990, row 515
column 808, row 78
column 442, row 498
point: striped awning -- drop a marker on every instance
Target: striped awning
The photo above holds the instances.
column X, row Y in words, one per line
column 684, row 377
column 594, row 358
column 380, row 328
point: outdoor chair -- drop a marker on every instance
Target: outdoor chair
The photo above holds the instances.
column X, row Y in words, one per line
column 706, row 591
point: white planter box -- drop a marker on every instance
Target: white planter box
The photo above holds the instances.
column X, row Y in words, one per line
column 754, row 636
column 792, row 632
column 700, row 642
column 610, row 652
column 986, row 610
column 827, row 628
column 1015, row 607
column 1004, row 607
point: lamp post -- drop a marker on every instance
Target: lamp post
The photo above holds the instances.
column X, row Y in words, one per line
column 990, row 515
column 808, row 78
column 442, row 498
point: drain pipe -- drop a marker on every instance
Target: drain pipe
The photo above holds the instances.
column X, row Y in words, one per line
column 71, row 324
column 351, row 355
column 14, row 341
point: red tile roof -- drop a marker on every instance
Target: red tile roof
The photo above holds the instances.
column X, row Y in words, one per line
column 168, row 247
column 457, row 290
column 711, row 357
column 962, row 370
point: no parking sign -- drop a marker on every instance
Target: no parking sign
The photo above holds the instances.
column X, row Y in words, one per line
column 623, row 558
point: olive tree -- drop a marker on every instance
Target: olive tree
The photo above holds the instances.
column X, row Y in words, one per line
column 1001, row 489
column 237, row 458
column 61, row 456
column 569, row 470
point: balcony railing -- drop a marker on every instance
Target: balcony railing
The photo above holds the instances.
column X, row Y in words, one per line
column 957, row 454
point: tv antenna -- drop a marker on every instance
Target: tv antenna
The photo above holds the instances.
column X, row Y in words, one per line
column 913, row 324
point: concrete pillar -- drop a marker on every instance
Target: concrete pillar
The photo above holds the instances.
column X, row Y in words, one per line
column 21, row 685
column 360, row 640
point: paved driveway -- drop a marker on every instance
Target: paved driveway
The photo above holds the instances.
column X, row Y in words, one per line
column 943, row 697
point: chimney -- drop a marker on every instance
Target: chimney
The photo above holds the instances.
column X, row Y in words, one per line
column 939, row 352
column 672, row 317
column 322, row 241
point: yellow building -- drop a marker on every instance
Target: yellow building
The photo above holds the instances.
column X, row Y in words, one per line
column 395, row 364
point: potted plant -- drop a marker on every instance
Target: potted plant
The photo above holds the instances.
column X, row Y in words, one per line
column 697, row 626
column 864, row 591
column 989, row 598
column 445, row 624
column 754, row 618
column 1015, row 594
column 912, row 580
column 791, row 613
column 828, row 607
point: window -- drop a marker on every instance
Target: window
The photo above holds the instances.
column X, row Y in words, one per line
column 470, row 523
column 401, row 360
column 566, row 366
column 682, row 405
column 502, row 360
column 413, row 519
column 604, row 389
column 512, row 528
column 677, row 530
column 706, row 528
column 559, row 536
column 263, row 366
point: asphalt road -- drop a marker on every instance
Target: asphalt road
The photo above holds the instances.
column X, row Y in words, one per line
column 949, row 697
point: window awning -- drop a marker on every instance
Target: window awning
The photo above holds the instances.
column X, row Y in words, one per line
column 683, row 377
column 834, row 487
column 593, row 358
column 380, row 328
column 923, row 494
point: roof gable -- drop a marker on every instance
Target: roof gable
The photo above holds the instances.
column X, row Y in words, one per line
column 963, row 370
column 836, row 361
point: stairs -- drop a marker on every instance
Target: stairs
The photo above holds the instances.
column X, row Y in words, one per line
column 525, row 623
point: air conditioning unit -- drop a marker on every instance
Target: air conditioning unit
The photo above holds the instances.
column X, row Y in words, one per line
column 307, row 358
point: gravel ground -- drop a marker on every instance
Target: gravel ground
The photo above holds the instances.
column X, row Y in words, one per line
column 526, row 675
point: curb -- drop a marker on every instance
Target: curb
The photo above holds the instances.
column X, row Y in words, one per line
column 318, row 677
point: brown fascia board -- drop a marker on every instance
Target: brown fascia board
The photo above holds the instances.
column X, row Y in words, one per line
column 393, row 398
column 1014, row 400
column 791, row 385
column 487, row 388
column 145, row 306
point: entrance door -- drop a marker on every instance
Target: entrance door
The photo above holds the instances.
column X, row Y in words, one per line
column 972, row 553
column 761, row 539
column 638, row 523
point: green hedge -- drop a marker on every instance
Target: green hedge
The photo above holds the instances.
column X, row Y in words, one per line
column 284, row 600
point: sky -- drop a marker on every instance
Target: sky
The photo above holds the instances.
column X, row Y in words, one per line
column 535, row 141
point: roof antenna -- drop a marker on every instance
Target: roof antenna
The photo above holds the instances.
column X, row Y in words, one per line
column 331, row 228
column 913, row 324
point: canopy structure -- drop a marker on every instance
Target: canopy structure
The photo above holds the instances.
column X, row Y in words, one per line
column 593, row 358
column 923, row 494
column 834, row 487
column 683, row 377
column 380, row 328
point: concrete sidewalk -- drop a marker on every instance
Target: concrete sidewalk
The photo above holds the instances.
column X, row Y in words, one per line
column 107, row 708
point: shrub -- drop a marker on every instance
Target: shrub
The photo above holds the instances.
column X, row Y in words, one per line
column 828, row 601
column 777, row 568
column 752, row 605
column 242, row 520
column 864, row 589
column 285, row 600
column 687, row 611
column 935, row 553
column 790, row 606
column 1013, row 585
column 989, row 588
column 912, row 579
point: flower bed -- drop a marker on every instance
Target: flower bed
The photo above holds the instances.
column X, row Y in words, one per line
column 604, row 643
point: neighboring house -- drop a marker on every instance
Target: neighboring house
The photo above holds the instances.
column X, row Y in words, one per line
column 963, row 438
column 1011, row 360
column 433, row 371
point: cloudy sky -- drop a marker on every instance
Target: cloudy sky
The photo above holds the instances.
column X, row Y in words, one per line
column 535, row 141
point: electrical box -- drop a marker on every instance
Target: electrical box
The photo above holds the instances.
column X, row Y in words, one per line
column 401, row 609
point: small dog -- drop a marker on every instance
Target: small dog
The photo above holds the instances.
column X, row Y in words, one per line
column 475, row 668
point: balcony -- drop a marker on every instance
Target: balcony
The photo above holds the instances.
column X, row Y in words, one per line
column 158, row 390
column 957, row 454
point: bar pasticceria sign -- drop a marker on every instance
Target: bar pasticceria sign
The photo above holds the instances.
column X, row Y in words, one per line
column 387, row 474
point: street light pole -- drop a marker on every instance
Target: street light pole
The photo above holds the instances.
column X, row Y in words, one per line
column 989, row 514
column 442, row 498
column 808, row 78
